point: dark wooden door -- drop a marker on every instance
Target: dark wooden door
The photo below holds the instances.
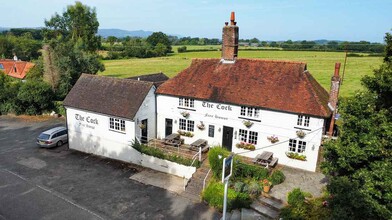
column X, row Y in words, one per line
column 144, row 138
column 168, row 126
column 227, row 139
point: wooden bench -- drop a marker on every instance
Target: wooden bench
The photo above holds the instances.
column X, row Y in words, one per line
column 173, row 140
column 273, row 162
column 199, row 143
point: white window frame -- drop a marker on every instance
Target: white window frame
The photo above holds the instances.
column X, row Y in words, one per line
column 248, row 136
column 186, row 125
column 186, row 102
column 303, row 120
column 250, row 112
column 117, row 124
column 297, row 146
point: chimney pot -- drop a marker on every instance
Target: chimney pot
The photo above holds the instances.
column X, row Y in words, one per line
column 232, row 18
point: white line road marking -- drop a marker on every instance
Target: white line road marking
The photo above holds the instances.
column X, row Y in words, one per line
column 53, row 193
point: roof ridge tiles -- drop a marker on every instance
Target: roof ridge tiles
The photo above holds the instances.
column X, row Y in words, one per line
column 255, row 59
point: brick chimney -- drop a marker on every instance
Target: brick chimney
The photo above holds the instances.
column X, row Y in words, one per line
column 230, row 40
column 333, row 96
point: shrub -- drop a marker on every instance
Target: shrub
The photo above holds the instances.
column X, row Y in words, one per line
column 35, row 97
column 277, row 177
column 296, row 197
column 214, row 193
column 299, row 209
column 59, row 108
column 181, row 49
column 242, row 170
column 239, row 186
column 254, row 188
column 215, row 161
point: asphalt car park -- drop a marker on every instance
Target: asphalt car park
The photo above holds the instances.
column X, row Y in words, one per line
column 59, row 183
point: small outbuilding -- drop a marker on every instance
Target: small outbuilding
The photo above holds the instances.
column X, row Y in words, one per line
column 105, row 114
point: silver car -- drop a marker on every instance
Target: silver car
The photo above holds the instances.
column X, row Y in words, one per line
column 53, row 137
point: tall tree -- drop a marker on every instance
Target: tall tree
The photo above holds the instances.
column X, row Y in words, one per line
column 158, row 37
column 78, row 24
column 359, row 163
column 72, row 45
column 388, row 48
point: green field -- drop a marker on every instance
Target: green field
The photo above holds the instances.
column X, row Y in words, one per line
column 320, row 64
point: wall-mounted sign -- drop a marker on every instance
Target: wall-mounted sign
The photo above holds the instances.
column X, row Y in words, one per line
column 217, row 106
column 90, row 121
column 215, row 116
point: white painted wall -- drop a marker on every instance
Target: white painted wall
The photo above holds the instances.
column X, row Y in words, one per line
column 147, row 111
column 97, row 138
column 275, row 123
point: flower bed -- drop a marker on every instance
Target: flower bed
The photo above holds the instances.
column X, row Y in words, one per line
column 246, row 146
column 185, row 133
column 296, row 156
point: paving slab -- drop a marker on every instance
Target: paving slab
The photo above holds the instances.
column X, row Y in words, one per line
column 162, row 180
column 312, row 182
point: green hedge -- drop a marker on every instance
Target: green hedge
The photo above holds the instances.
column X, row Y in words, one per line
column 243, row 170
column 155, row 152
column 214, row 193
column 215, row 157
column 59, row 107
column 277, row 177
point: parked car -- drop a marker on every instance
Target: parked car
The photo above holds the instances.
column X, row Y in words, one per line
column 53, row 137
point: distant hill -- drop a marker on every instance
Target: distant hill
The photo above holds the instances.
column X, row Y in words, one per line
column 3, row 29
column 123, row 33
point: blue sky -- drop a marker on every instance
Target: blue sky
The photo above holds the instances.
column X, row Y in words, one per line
column 351, row 20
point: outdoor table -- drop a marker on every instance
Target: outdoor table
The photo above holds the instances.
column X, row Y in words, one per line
column 264, row 158
column 198, row 143
column 173, row 139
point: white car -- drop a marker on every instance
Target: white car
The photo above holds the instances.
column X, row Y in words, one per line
column 53, row 137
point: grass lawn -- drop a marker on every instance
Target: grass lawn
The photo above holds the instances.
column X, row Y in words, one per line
column 320, row 64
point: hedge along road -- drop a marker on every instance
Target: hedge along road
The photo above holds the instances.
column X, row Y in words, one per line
column 58, row 183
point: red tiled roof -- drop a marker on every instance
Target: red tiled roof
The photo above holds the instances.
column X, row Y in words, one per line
column 278, row 85
column 16, row 69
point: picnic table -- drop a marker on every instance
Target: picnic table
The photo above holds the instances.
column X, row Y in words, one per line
column 173, row 139
column 266, row 159
column 199, row 143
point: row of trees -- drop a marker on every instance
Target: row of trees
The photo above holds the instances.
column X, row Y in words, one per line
column 157, row 44
column 24, row 46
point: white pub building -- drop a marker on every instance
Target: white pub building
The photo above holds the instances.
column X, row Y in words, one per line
column 245, row 105
column 274, row 106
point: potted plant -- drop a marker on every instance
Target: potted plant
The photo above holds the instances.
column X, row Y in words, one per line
column 142, row 126
column 185, row 114
column 273, row 139
column 201, row 126
column 300, row 133
column 247, row 123
column 266, row 185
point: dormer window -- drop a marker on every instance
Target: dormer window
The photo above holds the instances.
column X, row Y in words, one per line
column 185, row 102
column 250, row 112
column 303, row 120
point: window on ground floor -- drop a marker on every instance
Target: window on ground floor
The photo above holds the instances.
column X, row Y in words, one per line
column 117, row 124
column 211, row 131
column 297, row 146
column 248, row 136
column 187, row 125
